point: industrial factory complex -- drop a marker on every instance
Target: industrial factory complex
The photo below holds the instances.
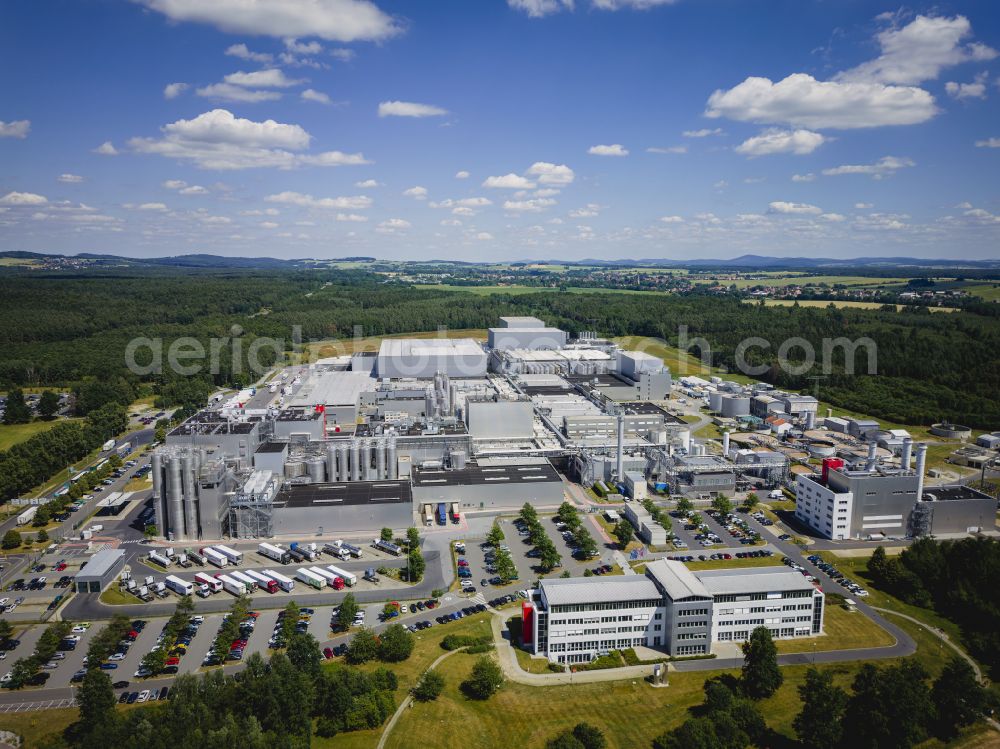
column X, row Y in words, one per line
column 393, row 438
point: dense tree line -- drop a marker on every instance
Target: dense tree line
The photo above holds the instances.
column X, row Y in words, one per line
column 65, row 330
column 958, row 579
column 31, row 462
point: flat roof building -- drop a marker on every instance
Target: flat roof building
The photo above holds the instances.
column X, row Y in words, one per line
column 99, row 571
column 423, row 357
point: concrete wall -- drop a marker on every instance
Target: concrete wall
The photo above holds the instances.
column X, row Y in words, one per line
column 307, row 521
column 958, row 515
column 500, row 419
column 478, row 496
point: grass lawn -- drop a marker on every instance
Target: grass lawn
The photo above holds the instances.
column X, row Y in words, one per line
column 531, row 665
column 35, row 727
column 844, row 630
column 137, row 485
column 11, row 434
column 115, row 597
column 681, row 363
column 990, row 292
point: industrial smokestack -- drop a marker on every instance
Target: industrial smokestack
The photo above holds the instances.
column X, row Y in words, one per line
column 725, row 444
column 921, row 460
column 620, row 455
column 904, row 460
column 872, row 457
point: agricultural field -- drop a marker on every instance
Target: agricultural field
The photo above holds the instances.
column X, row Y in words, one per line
column 519, row 290
column 989, row 292
column 837, row 303
column 680, row 362
column 11, row 434
column 341, row 346
column 793, row 280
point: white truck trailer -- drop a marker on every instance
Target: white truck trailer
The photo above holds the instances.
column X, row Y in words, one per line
column 214, row 557
column 349, row 577
column 244, row 578
column 285, row 583
column 232, row 585
column 203, row 578
column 161, row 559
column 310, row 578
column 279, row 555
column 234, row 557
column 178, row 586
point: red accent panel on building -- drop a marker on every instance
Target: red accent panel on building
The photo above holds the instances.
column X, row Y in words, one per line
column 829, row 463
column 527, row 623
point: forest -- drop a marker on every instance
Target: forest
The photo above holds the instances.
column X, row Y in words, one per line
column 73, row 330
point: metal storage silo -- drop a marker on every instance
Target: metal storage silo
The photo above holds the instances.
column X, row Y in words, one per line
column 343, row 469
column 175, row 492
column 355, row 460
column 316, row 468
column 392, row 464
column 380, row 460
column 331, row 463
column 715, row 401
column 295, row 469
column 190, row 496
column 366, row 460
column 457, row 459
column 159, row 496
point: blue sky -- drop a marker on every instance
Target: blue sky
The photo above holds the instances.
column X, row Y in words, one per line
column 493, row 129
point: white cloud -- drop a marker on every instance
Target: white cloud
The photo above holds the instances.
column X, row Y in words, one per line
column 833, row 217
column 241, row 51
column 107, row 148
column 919, row 51
column 418, row 191
column 721, row 184
column 775, row 140
column 193, row 190
column 451, row 222
column 232, row 92
column 974, row 90
column 535, row 205
column 70, row 179
column 352, row 217
column 173, row 90
column 216, row 220
column 319, row 97
column 174, row 184
column 366, row 184
column 157, row 207
column 589, row 211
column 988, row 143
column 15, row 129
column 546, row 192
column 303, row 48
column 540, row 8
column 863, row 206
column 808, row 177
column 669, row 149
column 672, row 219
column 614, row 149
column 884, row 167
column 551, row 174
column 802, row 101
column 409, row 109
column 258, row 212
column 509, row 182
column 462, row 174
column 342, row 54
column 268, row 78
column 799, row 209
column 352, row 203
column 219, row 140
column 484, row 236
column 333, row 20
column 269, row 225
column 23, row 198
column 392, row 225
column 703, row 133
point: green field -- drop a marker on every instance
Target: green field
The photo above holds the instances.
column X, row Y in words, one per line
column 680, row 362
column 11, row 434
column 519, row 290
column 837, row 303
column 342, row 346
column 989, row 292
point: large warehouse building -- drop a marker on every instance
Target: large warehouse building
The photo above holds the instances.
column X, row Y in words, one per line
column 425, row 357
column 671, row 608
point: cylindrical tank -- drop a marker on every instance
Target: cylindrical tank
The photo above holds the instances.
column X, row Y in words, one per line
column 380, row 460
column 457, row 458
column 355, row 460
column 872, row 456
column 331, row 463
column 715, row 401
column 317, row 470
column 175, row 492
column 810, row 419
column 392, row 465
column 725, row 444
column 159, row 496
column 295, row 469
column 921, row 461
column 343, row 469
column 904, row 460
column 190, row 497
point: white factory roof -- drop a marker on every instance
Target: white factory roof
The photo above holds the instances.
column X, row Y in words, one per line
column 101, row 563
column 333, row 389
column 563, row 591
column 677, row 579
column 565, row 354
column 753, row 580
column 430, row 347
column 513, row 321
column 641, row 356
